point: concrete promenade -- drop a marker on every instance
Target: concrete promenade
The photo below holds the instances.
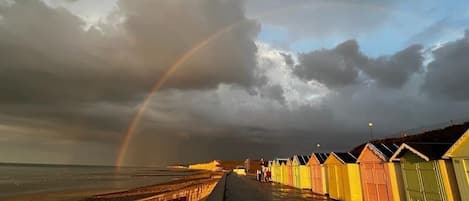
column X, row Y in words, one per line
column 246, row 188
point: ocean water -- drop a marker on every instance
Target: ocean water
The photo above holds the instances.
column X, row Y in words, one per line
column 23, row 179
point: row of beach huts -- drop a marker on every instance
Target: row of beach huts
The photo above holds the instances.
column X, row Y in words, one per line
column 431, row 166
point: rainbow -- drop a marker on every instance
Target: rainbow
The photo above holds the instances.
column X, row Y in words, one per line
column 130, row 132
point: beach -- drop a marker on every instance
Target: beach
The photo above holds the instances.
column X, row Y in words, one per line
column 67, row 182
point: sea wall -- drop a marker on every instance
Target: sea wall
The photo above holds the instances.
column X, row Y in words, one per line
column 191, row 193
column 194, row 188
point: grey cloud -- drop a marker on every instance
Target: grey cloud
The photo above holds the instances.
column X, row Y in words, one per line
column 446, row 73
column 340, row 66
column 334, row 68
column 288, row 59
column 322, row 18
column 162, row 31
column 59, row 61
column 274, row 92
column 395, row 70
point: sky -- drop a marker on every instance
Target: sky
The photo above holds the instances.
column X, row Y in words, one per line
column 236, row 79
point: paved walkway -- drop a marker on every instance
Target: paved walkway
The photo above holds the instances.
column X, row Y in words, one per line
column 246, row 188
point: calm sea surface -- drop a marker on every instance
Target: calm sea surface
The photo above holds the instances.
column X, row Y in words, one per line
column 23, row 179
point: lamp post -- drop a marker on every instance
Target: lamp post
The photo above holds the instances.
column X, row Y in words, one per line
column 370, row 125
column 318, row 146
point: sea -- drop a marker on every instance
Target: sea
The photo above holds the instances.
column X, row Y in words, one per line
column 75, row 182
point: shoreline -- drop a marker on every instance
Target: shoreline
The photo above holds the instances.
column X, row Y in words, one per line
column 91, row 192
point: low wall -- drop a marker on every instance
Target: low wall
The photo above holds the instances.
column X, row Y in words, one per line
column 218, row 193
column 191, row 193
column 193, row 188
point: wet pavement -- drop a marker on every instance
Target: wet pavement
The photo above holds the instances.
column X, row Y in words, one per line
column 246, row 188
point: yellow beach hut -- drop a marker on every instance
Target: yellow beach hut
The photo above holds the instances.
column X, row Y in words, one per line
column 289, row 172
column 459, row 154
column 381, row 180
column 301, row 172
column 278, row 168
column 426, row 175
column 284, row 171
column 343, row 176
column 318, row 172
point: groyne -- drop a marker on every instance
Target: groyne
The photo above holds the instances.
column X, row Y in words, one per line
column 193, row 188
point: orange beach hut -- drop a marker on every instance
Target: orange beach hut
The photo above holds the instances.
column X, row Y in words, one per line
column 459, row 154
column 318, row 172
column 426, row 175
column 343, row 176
column 381, row 180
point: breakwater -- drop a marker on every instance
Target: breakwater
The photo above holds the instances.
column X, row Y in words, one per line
column 192, row 188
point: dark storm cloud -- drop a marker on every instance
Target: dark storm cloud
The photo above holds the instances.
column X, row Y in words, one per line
column 446, row 73
column 163, row 30
column 84, row 85
column 334, row 68
column 394, row 71
column 340, row 66
column 60, row 63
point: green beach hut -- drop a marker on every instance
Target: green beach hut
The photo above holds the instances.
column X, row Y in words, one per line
column 426, row 175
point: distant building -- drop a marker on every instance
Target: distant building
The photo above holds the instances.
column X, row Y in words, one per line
column 252, row 165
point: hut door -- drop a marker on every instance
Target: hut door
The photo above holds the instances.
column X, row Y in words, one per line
column 421, row 181
column 317, row 178
column 375, row 179
column 412, row 182
column 432, row 187
column 380, row 180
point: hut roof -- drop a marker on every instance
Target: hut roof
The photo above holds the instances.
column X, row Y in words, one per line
column 425, row 150
column 460, row 142
column 321, row 157
column 282, row 161
column 383, row 150
column 303, row 159
column 345, row 157
column 448, row 134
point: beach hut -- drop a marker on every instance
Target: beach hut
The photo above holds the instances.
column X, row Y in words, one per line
column 289, row 172
column 459, row 154
column 274, row 168
column 381, row 180
column 318, row 172
column 301, row 172
column 343, row 175
column 283, row 176
column 426, row 175
column 277, row 170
